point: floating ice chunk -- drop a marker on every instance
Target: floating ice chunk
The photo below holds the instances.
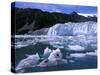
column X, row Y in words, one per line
column 76, row 47
column 20, row 46
column 93, row 46
column 92, row 53
column 52, row 62
column 48, row 62
column 62, row 61
column 47, row 52
column 30, row 61
column 55, row 54
column 71, row 61
column 78, row 55
column 55, row 58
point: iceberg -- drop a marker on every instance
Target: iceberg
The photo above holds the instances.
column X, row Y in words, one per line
column 76, row 48
column 48, row 62
column 30, row 61
column 78, row 55
column 55, row 54
column 47, row 52
column 92, row 53
column 55, row 58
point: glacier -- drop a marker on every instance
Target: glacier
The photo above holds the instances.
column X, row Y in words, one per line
column 73, row 29
column 67, row 35
column 81, row 34
column 64, row 44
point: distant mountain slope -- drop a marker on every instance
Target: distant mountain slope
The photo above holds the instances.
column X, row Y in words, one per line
column 42, row 31
column 33, row 19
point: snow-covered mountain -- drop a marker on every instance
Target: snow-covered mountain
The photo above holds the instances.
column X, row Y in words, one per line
column 86, row 15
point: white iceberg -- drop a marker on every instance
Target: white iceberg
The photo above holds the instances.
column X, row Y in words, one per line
column 92, row 53
column 75, row 47
column 30, row 61
column 78, row 55
column 47, row 52
column 55, row 54
column 48, row 62
column 55, row 58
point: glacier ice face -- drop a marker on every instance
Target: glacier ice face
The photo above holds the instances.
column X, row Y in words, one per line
column 82, row 34
column 76, row 43
column 70, row 29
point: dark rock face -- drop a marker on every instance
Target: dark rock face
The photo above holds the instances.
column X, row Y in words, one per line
column 35, row 19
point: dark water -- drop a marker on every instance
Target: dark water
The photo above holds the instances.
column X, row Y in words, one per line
column 79, row 63
column 86, row 63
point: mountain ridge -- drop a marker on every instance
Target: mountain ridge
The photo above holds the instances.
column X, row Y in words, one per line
column 27, row 19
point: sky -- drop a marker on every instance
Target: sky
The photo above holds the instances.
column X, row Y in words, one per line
column 58, row 7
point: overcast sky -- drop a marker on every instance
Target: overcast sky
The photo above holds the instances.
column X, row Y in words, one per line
column 58, row 7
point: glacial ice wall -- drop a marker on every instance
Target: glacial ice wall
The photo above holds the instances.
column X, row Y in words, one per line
column 71, row 29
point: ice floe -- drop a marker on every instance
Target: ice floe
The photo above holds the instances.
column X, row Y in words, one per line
column 78, row 55
column 47, row 52
column 76, row 47
column 30, row 61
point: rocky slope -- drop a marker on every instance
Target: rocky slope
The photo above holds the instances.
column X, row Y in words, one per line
column 28, row 19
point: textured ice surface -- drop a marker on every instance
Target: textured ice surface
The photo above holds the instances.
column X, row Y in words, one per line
column 69, row 29
column 78, row 55
column 47, row 52
column 30, row 61
column 75, row 47
column 55, row 54
column 55, row 58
